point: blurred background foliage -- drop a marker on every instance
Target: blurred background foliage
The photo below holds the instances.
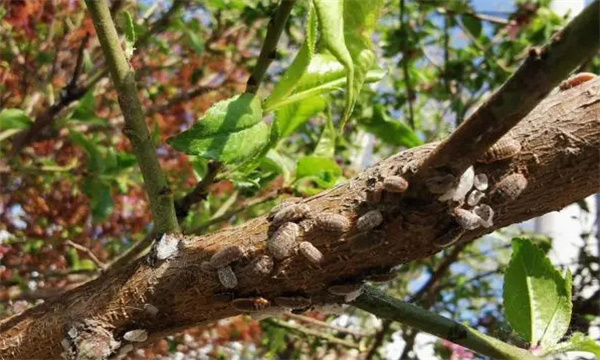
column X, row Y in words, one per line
column 72, row 198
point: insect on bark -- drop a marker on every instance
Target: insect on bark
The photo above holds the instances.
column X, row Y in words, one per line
column 310, row 252
column 374, row 194
column 286, row 203
column 226, row 256
column 576, row 79
column 366, row 241
column 291, row 213
column 466, row 219
column 395, row 184
column 227, row 277
column 250, row 304
column 283, row 241
column 509, row 188
column 369, row 220
column 504, row 148
column 332, row 222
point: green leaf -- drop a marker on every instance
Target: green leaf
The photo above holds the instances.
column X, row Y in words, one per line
column 101, row 201
column 537, row 299
column 231, row 131
column 472, row 24
column 393, row 132
column 196, row 42
column 297, row 68
column 324, row 170
column 14, row 119
column 326, row 145
column 86, row 108
column 95, row 160
column 129, row 29
column 578, row 342
column 290, row 117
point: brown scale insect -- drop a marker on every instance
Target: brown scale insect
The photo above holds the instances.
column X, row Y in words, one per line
column 250, row 304
column 395, row 184
column 369, row 220
column 206, row 267
column 466, row 219
column 576, row 80
column 366, row 241
column 286, row 203
column 450, row 237
column 283, row 241
column 293, row 302
column 504, row 148
column 374, row 194
column 330, row 222
column 261, row 265
column 291, row 213
column 509, row 188
column 226, row 256
column 344, row 289
column 227, row 277
column 381, row 278
column 311, row 252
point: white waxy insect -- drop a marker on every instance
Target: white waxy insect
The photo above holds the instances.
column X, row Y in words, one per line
column 293, row 302
column 486, row 215
column 366, row 241
column 509, row 188
column 450, row 237
column 310, row 252
column 466, row 219
column 374, row 194
column 395, row 184
column 480, row 182
column 167, row 247
column 440, row 184
column 138, row 335
column 369, row 220
column 290, row 213
column 381, row 278
column 576, row 80
column 465, row 183
column 226, row 256
column 474, row 197
column 505, row 148
column 250, row 304
column 122, row 353
column 227, row 277
column 287, row 202
column 331, row 222
column 283, row 242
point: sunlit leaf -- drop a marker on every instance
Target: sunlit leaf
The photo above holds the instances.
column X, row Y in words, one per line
column 394, row 132
column 129, row 29
column 231, row 131
column 577, row 342
column 95, row 160
column 472, row 24
column 537, row 299
column 86, row 107
column 14, row 119
column 290, row 117
column 324, row 171
column 326, row 145
column 101, row 202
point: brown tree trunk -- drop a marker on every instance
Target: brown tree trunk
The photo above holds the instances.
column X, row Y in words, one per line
column 560, row 159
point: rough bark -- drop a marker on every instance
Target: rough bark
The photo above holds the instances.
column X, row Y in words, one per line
column 560, row 157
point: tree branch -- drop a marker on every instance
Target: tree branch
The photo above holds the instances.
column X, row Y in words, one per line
column 536, row 77
column 561, row 170
column 199, row 193
column 379, row 303
column 161, row 197
column 267, row 52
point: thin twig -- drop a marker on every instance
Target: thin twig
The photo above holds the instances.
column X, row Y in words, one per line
column 314, row 321
column 227, row 215
column 123, row 76
column 405, row 57
column 199, row 193
column 267, row 52
column 89, row 253
column 310, row 332
column 72, row 86
column 378, row 339
column 382, row 305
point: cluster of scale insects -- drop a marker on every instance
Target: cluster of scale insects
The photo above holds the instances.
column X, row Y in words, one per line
column 293, row 219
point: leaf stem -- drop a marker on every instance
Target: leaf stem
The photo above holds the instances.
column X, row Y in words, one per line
column 123, row 76
column 267, row 52
column 382, row 305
